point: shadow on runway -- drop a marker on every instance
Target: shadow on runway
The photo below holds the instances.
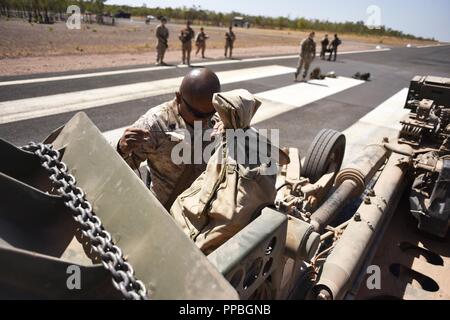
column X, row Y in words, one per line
column 317, row 84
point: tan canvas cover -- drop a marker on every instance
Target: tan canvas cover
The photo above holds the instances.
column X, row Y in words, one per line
column 225, row 198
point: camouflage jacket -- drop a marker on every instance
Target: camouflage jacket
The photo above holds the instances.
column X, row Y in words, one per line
column 166, row 128
column 162, row 34
column 201, row 37
column 308, row 48
column 186, row 35
column 230, row 37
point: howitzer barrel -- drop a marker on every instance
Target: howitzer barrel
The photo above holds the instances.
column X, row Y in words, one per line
column 344, row 262
column 350, row 183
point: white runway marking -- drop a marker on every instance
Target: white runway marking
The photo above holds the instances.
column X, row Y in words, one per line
column 23, row 109
column 81, row 76
column 146, row 69
column 381, row 122
column 293, row 97
column 299, row 95
column 433, row 45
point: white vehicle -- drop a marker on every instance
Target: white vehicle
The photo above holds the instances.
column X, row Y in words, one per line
column 148, row 19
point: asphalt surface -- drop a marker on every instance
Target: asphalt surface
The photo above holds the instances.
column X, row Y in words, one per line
column 390, row 72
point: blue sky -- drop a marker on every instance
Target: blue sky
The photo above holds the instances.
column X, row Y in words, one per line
column 419, row 17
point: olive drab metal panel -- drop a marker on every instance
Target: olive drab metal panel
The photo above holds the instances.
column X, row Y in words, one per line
column 163, row 258
column 168, row 263
column 40, row 256
column 254, row 255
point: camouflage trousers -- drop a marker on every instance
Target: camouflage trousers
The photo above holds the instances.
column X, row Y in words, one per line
column 228, row 45
column 186, row 49
column 303, row 62
column 160, row 52
column 201, row 46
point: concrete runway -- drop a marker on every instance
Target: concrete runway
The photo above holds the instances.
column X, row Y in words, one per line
column 46, row 101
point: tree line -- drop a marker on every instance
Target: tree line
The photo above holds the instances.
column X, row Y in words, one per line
column 39, row 9
column 47, row 11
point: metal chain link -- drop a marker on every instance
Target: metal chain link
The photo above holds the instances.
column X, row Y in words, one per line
column 101, row 242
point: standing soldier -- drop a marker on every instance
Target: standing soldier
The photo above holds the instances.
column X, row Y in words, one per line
column 200, row 42
column 307, row 55
column 334, row 47
column 325, row 42
column 186, row 36
column 162, row 34
column 230, row 37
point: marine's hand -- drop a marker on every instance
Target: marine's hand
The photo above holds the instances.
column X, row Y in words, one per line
column 218, row 129
column 132, row 139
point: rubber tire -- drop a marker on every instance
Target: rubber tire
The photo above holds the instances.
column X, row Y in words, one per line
column 318, row 158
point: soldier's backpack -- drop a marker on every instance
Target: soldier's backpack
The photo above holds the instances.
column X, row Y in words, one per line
column 230, row 193
column 362, row 76
column 315, row 74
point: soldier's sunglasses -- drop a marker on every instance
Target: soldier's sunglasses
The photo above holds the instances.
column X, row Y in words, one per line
column 196, row 113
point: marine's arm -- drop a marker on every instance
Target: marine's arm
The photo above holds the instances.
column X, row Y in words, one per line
column 129, row 147
column 137, row 140
column 158, row 33
column 303, row 48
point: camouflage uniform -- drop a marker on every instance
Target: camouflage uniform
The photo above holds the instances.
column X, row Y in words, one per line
column 325, row 42
column 186, row 37
column 307, row 54
column 162, row 34
column 334, row 48
column 230, row 37
column 165, row 174
column 200, row 41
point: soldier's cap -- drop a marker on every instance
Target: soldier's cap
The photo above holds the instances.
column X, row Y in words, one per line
column 163, row 19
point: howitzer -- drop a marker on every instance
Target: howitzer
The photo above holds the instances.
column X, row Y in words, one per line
column 72, row 201
column 419, row 160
